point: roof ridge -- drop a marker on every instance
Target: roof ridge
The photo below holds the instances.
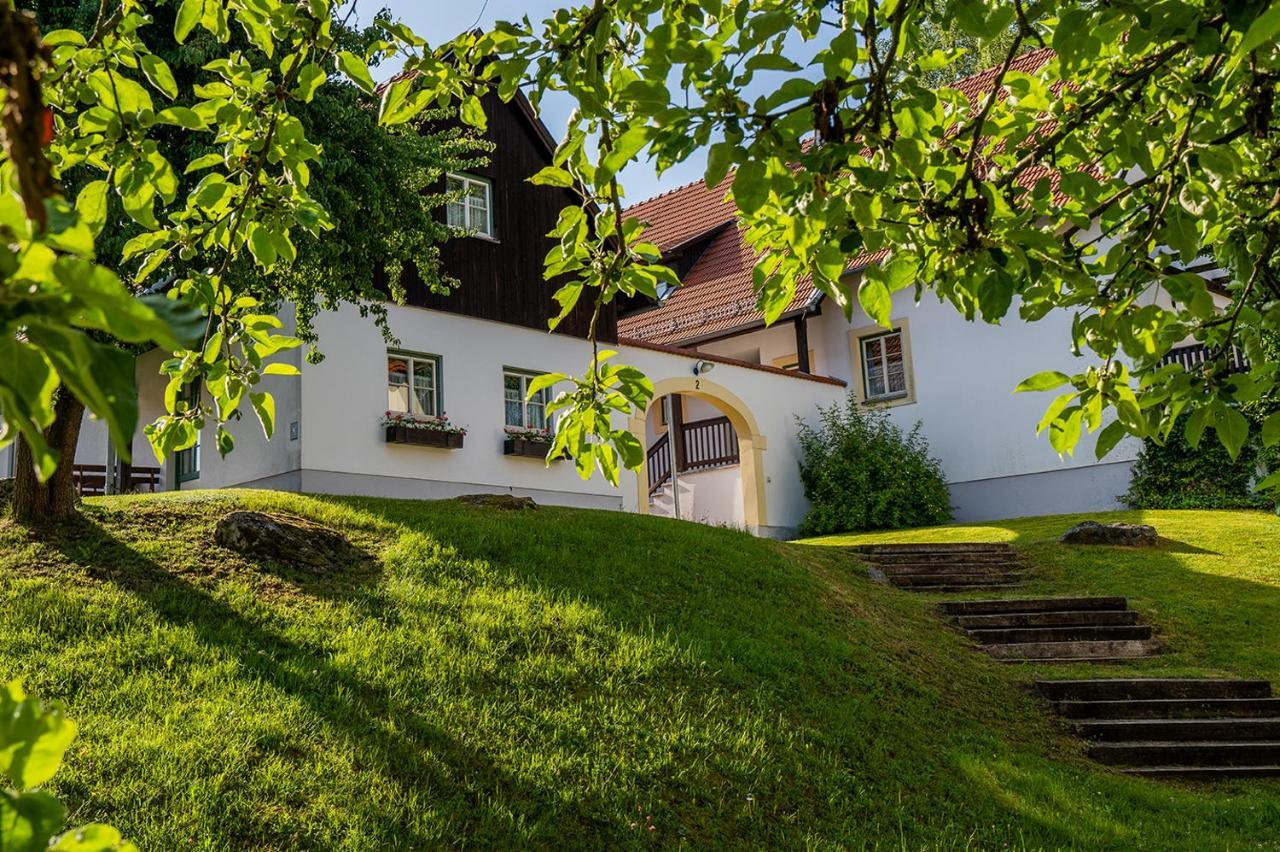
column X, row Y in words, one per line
column 671, row 191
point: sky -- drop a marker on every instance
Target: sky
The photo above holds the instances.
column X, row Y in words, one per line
column 441, row 20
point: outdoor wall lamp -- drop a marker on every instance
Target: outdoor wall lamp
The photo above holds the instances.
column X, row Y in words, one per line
column 700, row 367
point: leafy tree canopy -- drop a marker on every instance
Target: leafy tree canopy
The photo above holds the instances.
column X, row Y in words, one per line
column 1094, row 182
column 176, row 195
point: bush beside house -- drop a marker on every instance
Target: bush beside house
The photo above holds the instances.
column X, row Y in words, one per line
column 860, row 471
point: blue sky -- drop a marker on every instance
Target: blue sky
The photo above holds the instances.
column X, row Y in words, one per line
column 440, row 20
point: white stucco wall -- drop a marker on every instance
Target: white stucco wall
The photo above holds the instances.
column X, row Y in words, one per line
column 344, row 449
column 964, row 374
column 713, row 497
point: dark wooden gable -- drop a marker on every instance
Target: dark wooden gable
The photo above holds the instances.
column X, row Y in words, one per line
column 501, row 279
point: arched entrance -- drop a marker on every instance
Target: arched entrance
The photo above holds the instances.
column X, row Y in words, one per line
column 751, row 444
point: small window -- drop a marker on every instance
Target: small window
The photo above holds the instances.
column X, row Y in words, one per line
column 522, row 411
column 413, row 384
column 884, row 369
column 471, row 209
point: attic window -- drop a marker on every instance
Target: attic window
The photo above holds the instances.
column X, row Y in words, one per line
column 471, row 207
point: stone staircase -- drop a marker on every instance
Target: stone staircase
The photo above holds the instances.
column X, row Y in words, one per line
column 1048, row 630
column 944, row 567
column 1200, row 730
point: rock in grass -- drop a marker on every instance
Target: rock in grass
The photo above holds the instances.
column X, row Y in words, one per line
column 1122, row 535
column 285, row 540
column 508, row 502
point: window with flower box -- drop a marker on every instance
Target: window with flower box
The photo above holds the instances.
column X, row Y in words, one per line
column 523, row 412
column 413, row 384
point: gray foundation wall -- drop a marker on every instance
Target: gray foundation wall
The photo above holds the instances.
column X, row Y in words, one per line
column 1094, row 488
column 409, row 488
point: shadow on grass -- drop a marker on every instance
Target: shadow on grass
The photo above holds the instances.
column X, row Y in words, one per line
column 383, row 731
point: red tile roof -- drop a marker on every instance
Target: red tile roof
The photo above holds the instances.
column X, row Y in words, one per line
column 717, row 296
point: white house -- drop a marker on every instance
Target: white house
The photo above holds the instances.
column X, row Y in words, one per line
column 722, row 430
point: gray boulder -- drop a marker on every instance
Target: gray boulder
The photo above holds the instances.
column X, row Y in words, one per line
column 285, row 540
column 508, row 502
column 1121, row 535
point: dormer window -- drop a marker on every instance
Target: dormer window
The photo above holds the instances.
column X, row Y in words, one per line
column 471, row 207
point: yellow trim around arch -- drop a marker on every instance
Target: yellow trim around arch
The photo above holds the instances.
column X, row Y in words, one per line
column 751, row 444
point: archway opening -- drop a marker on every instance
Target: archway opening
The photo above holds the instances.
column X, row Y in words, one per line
column 704, row 456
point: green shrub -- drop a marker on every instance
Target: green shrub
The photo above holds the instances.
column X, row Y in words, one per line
column 861, row 472
column 1178, row 476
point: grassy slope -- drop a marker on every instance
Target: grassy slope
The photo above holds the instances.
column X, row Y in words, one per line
column 568, row 678
column 1212, row 589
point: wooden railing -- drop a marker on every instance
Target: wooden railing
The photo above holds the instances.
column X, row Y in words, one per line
column 708, row 444
column 1194, row 356
column 659, row 463
column 91, row 479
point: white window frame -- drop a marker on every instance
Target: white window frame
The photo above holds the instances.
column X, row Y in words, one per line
column 889, row 393
column 437, row 381
column 525, row 376
column 480, row 229
column 858, row 338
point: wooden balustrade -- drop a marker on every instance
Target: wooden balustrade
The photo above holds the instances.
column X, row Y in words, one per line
column 1194, row 356
column 708, row 444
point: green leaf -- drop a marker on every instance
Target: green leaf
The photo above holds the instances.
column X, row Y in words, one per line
column 1271, row 430
column 94, row 837
column 265, row 406
column 158, row 73
column 544, row 381
column 187, row 119
column 1113, row 434
column 719, row 161
column 473, row 114
column 1047, row 380
column 279, row 369
column 552, row 176
column 262, row 246
column 876, row 300
column 101, row 376
column 310, row 78
column 225, row 441
column 356, row 69
column 189, row 14
column 91, row 204
column 1270, row 483
column 33, row 737
column 29, row 820
column 1232, row 428
column 1265, row 29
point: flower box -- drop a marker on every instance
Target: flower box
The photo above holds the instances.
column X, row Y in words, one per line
column 525, row 447
column 425, row 437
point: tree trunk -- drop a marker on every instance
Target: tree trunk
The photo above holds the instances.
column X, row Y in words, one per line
column 53, row 501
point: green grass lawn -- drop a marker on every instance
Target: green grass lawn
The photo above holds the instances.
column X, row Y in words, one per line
column 568, row 678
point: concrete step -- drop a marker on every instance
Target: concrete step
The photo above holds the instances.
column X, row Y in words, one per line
column 908, row 568
column 1078, row 633
column 1181, row 753
column 1203, row 773
column 907, row 581
column 1171, row 708
column 927, row 558
column 1125, row 689
column 1011, row 606
column 927, row 547
column 1174, row 730
column 1118, row 649
column 1068, row 618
